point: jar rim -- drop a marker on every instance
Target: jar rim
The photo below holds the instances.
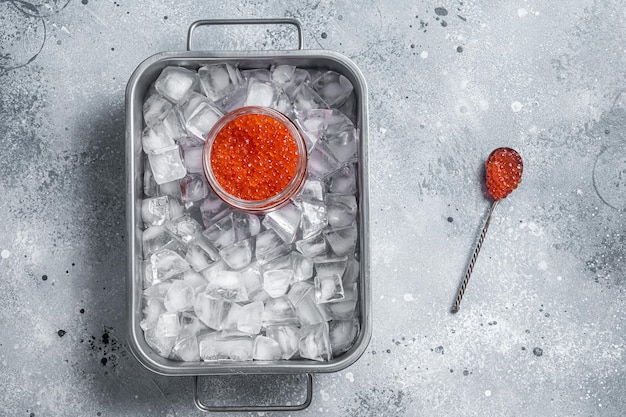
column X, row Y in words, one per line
column 271, row 203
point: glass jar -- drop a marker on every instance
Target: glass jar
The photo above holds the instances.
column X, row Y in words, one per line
column 255, row 159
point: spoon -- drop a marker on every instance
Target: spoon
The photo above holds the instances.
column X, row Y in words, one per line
column 503, row 174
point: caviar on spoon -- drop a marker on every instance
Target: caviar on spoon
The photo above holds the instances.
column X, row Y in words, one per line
column 503, row 174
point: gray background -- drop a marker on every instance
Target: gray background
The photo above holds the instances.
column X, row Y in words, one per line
column 542, row 327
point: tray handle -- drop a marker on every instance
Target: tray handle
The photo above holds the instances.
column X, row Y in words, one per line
column 219, row 22
column 252, row 408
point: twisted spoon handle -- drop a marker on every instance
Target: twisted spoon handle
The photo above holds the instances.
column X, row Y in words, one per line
column 470, row 267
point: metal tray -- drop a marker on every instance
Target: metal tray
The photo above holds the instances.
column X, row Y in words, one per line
column 138, row 84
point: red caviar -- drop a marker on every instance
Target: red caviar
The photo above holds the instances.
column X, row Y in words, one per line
column 504, row 172
column 254, row 157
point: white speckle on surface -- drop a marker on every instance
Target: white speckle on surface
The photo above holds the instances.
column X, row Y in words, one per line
column 483, row 104
column 579, row 192
column 516, row 106
column 543, row 265
column 382, row 130
column 408, row 297
column 393, row 300
column 424, row 54
column 324, row 394
column 350, row 376
column 559, row 278
column 521, row 12
column 487, row 393
column 5, row 253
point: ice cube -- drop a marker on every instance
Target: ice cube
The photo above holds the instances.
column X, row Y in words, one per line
column 191, row 325
column 153, row 308
column 261, row 94
column 287, row 338
column 213, row 209
column 333, row 88
column 186, row 350
column 343, row 241
column 305, row 98
column 283, row 104
column 202, row 119
column 328, row 288
column 279, row 311
column 167, row 264
column 312, row 124
column 252, row 277
column 218, row 80
column 330, row 265
column 160, row 344
column 200, row 253
column 284, row 222
column 289, row 78
column 251, row 318
column 315, row 342
column 150, row 187
column 351, row 274
column 236, row 348
column 283, row 262
column 233, row 227
column 227, row 285
column 322, row 162
column 179, row 297
column 156, row 137
column 343, row 181
column 155, row 211
column 166, row 164
column 282, row 74
column 276, row 282
column 195, row 280
column 261, row 75
column 172, row 189
column 312, row 191
column 312, row 246
column 173, row 124
column 168, row 324
column 342, row 139
column 234, row 99
column 342, row 335
column 193, row 187
column 154, row 109
column 176, row 83
column 341, row 209
column 213, row 270
column 314, row 218
column 216, row 313
column 259, row 295
column 346, row 309
column 239, row 254
column 308, row 311
column 157, row 290
column 154, row 238
column 299, row 290
column 192, row 159
column 184, row 228
column 266, row 349
column 270, row 246
column 302, row 266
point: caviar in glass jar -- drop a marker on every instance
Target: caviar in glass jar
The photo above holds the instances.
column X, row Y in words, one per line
column 255, row 159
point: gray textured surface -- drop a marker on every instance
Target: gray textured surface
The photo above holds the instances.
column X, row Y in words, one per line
column 542, row 326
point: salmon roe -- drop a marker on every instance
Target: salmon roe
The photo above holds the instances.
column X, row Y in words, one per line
column 504, row 172
column 254, row 157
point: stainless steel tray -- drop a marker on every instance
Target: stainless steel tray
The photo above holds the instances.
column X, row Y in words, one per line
column 138, row 84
